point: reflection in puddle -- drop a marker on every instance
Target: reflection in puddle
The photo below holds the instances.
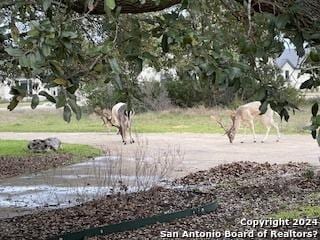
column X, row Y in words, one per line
column 74, row 184
column 50, row 196
column 71, row 185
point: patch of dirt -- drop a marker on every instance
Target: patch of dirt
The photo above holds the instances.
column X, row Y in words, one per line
column 11, row 166
column 243, row 189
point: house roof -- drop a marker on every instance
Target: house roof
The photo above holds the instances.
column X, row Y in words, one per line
column 291, row 57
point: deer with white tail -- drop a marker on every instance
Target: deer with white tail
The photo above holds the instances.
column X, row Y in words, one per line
column 246, row 114
column 119, row 117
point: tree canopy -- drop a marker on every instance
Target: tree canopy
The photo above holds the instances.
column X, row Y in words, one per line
column 215, row 46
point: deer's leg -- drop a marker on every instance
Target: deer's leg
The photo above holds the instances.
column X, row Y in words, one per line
column 122, row 132
column 267, row 134
column 253, row 131
column 275, row 125
column 131, row 138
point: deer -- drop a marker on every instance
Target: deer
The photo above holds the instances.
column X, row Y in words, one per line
column 246, row 114
column 119, row 117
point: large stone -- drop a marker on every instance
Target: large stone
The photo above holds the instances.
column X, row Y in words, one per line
column 44, row 145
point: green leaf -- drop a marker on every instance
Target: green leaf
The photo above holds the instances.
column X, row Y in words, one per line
column 60, row 81
column 284, row 114
column 316, row 120
column 34, row 33
column 314, row 134
column 298, row 42
column 261, row 94
column 282, row 20
column 67, row 113
column 14, row 32
column 15, row 52
column 314, row 56
column 315, row 109
column 48, row 96
column 34, row 101
column 56, row 68
column 46, row 50
column 111, row 4
column 61, row 100
column 75, row 108
column 307, row 84
column 18, row 91
column 46, row 4
column 164, row 43
column 13, row 103
column 264, row 107
column 69, row 34
column 234, row 72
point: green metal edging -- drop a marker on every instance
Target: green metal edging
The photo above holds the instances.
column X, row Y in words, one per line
column 137, row 223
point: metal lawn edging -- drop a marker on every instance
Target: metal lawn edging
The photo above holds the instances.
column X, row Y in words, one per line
column 137, row 223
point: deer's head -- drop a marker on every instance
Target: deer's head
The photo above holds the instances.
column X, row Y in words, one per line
column 230, row 132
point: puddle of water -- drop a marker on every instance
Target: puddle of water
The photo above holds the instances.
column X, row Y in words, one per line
column 37, row 196
column 71, row 185
column 52, row 197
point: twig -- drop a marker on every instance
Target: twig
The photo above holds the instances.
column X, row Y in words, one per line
column 249, row 17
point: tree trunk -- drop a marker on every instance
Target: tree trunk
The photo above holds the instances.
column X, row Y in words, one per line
column 127, row 6
column 307, row 14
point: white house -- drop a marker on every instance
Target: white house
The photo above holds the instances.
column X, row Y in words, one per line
column 30, row 85
column 290, row 64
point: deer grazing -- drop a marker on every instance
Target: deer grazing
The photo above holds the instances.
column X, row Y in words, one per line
column 119, row 117
column 246, row 114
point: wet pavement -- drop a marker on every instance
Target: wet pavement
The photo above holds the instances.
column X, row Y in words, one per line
column 70, row 185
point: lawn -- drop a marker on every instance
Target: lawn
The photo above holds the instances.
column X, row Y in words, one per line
column 304, row 211
column 16, row 148
column 196, row 120
column 299, row 212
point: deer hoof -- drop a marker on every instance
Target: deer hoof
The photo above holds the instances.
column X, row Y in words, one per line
column 124, row 143
column 254, row 141
column 278, row 140
column 132, row 141
column 262, row 141
column 242, row 142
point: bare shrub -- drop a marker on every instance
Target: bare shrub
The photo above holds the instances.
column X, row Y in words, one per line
column 138, row 171
column 152, row 168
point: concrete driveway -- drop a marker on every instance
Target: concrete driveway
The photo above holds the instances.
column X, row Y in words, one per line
column 196, row 151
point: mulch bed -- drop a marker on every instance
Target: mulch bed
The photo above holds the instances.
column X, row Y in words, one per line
column 243, row 189
column 11, row 166
column 107, row 210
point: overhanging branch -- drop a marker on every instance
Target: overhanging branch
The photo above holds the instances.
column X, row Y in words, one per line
column 127, row 6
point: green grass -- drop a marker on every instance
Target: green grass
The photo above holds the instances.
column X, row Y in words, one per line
column 19, row 148
column 300, row 212
column 304, row 211
column 195, row 120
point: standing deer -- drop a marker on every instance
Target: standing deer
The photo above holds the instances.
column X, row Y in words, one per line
column 119, row 117
column 247, row 113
